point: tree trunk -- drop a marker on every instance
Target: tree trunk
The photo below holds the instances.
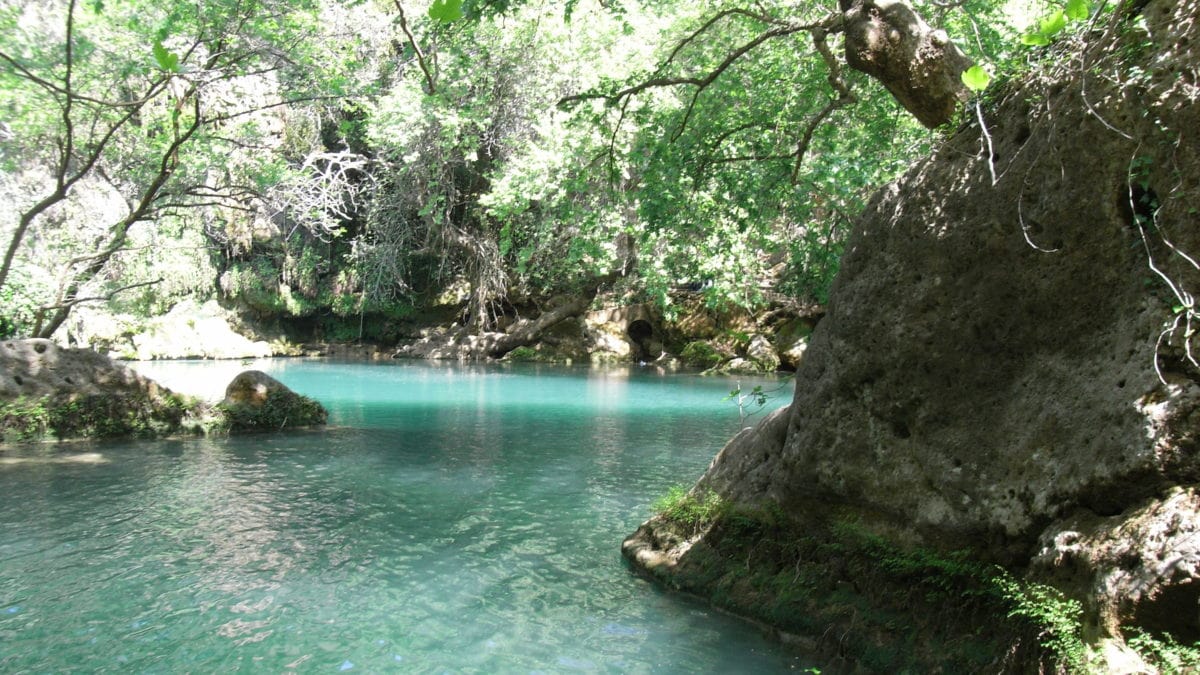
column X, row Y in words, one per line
column 920, row 66
column 528, row 331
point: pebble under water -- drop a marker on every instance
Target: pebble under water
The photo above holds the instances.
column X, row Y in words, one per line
column 452, row 519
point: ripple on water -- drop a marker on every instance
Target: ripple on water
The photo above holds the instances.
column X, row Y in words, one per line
column 488, row 543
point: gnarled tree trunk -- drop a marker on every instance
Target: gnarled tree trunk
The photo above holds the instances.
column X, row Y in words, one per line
column 920, row 66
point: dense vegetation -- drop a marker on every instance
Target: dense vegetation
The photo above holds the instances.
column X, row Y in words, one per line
column 345, row 163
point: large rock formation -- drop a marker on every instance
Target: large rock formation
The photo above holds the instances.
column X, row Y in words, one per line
column 1005, row 364
column 48, row 391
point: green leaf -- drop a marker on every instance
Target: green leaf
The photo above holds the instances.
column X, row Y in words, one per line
column 165, row 59
column 1053, row 24
column 1078, row 10
column 976, row 78
column 1034, row 40
column 446, row 10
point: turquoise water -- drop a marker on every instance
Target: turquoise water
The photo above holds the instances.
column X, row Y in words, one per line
column 452, row 519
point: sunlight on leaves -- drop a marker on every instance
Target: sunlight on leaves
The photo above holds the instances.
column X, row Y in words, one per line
column 1078, row 10
column 165, row 59
column 976, row 78
column 446, row 11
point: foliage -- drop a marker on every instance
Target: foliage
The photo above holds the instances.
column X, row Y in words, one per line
column 1165, row 653
column 1055, row 22
column 694, row 511
column 751, row 402
column 149, row 100
column 1058, row 617
column 392, row 150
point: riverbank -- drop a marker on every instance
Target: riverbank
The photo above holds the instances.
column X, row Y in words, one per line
column 55, row 393
column 693, row 336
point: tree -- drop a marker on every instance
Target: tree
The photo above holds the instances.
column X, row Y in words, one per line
column 734, row 147
column 150, row 102
column 479, row 179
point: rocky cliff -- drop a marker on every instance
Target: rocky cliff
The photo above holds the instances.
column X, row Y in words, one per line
column 1005, row 368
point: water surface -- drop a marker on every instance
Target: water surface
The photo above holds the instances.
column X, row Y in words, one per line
column 452, row 519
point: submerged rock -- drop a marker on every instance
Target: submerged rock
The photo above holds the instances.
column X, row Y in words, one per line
column 1002, row 370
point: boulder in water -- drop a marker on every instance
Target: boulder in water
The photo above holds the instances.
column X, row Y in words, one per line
column 255, row 401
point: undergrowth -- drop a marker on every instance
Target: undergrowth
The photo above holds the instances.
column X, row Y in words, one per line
column 689, row 510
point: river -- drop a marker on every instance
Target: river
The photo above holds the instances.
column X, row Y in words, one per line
column 452, row 518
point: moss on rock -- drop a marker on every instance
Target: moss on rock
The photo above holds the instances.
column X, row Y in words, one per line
column 841, row 591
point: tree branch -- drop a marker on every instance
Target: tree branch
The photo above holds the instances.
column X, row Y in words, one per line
column 98, row 298
column 412, row 41
column 695, row 81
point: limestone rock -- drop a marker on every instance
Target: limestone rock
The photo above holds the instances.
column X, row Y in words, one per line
column 997, row 370
column 190, row 330
column 791, row 340
column 50, row 392
column 762, row 352
column 40, row 367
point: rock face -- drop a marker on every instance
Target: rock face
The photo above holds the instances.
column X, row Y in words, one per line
column 1003, row 366
column 189, row 330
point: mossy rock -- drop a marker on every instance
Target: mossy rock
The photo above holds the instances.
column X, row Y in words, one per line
column 255, row 401
column 837, row 577
column 117, row 415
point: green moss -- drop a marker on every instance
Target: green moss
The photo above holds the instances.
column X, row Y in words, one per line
column 139, row 415
column 128, row 415
column 700, row 354
column 280, row 410
column 523, row 354
column 889, row 608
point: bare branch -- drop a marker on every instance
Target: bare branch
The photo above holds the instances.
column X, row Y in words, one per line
column 98, row 298
column 61, row 91
column 412, row 41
